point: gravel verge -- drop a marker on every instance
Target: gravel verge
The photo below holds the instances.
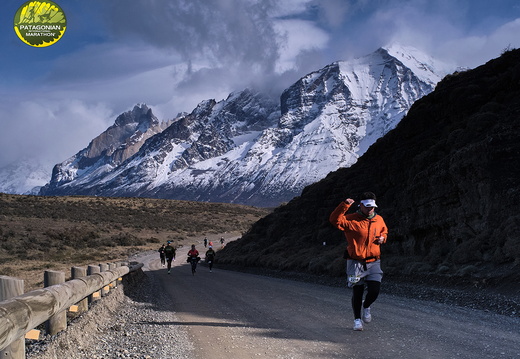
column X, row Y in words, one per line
column 128, row 323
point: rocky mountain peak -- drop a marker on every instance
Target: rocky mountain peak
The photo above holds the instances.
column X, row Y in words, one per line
column 249, row 148
column 115, row 145
column 140, row 114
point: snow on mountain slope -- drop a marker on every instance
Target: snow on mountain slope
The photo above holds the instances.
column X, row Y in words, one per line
column 105, row 152
column 425, row 67
column 24, row 177
column 249, row 149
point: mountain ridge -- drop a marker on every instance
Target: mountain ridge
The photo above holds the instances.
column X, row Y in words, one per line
column 249, row 149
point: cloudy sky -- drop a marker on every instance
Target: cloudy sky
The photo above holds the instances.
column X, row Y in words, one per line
column 172, row 54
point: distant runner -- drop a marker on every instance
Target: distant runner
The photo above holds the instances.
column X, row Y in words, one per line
column 169, row 252
column 161, row 255
column 210, row 257
column 193, row 258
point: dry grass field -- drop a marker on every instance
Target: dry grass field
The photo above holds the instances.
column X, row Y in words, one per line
column 55, row 233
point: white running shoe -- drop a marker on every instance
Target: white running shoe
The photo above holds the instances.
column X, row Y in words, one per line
column 358, row 325
column 367, row 317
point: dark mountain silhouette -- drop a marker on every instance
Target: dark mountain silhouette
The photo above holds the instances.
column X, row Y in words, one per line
column 447, row 180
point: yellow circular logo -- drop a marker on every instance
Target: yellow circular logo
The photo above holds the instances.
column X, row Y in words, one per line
column 40, row 23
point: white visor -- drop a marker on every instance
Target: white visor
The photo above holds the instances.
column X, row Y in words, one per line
column 369, row 203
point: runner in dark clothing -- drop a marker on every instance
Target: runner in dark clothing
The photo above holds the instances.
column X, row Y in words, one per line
column 161, row 254
column 210, row 257
column 193, row 258
column 169, row 252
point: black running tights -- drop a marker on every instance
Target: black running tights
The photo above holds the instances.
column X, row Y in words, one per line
column 357, row 296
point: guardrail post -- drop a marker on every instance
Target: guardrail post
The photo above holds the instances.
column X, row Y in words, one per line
column 9, row 288
column 91, row 269
column 113, row 266
column 103, row 268
column 120, row 280
column 58, row 321
column 78, row 272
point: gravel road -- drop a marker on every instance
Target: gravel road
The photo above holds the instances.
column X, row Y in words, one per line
column 227, row 314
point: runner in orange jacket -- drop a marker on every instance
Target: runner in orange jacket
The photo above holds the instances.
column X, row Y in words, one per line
column 365, row 231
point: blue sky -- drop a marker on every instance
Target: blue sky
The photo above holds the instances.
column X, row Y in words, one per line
column 172, row 54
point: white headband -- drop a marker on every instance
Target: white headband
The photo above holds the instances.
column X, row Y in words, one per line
column 369, row 203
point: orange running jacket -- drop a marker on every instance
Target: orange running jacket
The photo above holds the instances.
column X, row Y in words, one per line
column 360, row 232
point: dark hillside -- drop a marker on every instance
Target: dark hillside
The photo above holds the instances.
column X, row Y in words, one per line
column 447, row 181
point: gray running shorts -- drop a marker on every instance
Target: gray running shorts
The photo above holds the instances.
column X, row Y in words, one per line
column 356, row 273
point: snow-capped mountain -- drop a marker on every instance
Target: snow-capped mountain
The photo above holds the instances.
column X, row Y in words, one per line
column 107, row 151
column 250, row 149
column 25, row 176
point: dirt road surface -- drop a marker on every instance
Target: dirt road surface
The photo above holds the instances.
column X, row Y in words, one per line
column 238, row 315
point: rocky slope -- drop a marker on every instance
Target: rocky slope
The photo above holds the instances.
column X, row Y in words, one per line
column 447, row 186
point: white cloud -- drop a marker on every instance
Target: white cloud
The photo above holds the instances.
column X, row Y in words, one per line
column 300, row 36
column 476, row 50
column 334, row 12
column 48, row 129
column 289, row 7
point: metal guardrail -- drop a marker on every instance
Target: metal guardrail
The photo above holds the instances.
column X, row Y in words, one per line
column 20, row 314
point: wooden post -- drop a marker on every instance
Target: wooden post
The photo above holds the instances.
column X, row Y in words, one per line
column 78, row 272
column 120, row 279
column 113, row 266
column 96, row 295
column 58, row 321
column 103, row 268
column 9, row 288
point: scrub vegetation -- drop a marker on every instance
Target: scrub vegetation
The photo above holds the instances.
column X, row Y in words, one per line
column 55, row 233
